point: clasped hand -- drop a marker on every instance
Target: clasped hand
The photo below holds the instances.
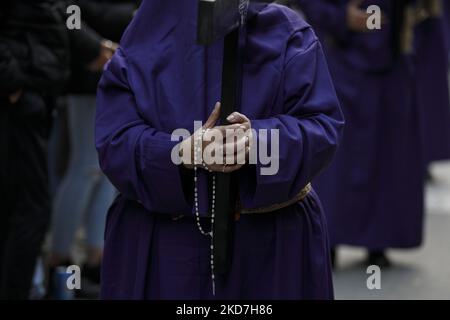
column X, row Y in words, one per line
column 223, row 148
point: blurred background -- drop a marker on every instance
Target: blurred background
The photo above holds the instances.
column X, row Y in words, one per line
column 394, row 90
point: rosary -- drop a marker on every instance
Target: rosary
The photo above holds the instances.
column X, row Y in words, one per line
column 243, row 9
column 198, row 160
column 198, row 151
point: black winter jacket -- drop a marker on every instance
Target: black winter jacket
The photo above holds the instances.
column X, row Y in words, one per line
column 108, row 18
column 34, row 46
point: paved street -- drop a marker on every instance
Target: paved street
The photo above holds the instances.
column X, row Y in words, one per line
column 417, row 274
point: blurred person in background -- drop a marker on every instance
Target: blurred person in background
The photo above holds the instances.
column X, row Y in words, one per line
column 35, row 53
column 373, row 191
column 85, row 193
column 431, row 54
column 34, row 65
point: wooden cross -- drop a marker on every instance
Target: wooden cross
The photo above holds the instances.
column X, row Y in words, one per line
column 221, row 19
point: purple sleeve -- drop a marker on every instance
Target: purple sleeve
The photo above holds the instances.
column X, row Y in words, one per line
column 310, row 127
column 327, row 16
column 133, row 155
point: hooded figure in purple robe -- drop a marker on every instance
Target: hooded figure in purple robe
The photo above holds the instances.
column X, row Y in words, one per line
column 431, row 53
column 373, row 191
column 161, row 80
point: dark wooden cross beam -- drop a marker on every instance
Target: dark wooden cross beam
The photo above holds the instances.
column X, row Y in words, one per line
column 220, row 19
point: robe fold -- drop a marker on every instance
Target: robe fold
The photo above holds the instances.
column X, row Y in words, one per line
column 373, row 191
column 433, row 87
column 159, row 81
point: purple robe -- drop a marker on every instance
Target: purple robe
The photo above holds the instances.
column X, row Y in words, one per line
column 160, row 80
column 373, row 191
column 433, row 88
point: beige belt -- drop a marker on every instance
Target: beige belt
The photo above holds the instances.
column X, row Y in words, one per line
column 299, row 197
